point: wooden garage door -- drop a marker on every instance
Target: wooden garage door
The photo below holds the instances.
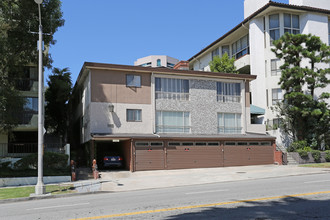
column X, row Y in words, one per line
column 150, row 157
column 180, row 157
column 243, row 155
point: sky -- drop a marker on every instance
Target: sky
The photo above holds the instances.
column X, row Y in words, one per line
column 121, row 31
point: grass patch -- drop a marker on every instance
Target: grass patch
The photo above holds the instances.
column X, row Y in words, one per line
column 19, row 192
column 317, row 165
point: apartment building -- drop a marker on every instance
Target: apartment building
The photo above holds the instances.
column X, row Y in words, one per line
column 23, row 139
column 250, row 43
column 160, row 118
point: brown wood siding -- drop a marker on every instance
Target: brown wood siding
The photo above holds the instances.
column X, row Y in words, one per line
column 149, row 158
column 180, row 157
column 110, row 86
column 248, row 155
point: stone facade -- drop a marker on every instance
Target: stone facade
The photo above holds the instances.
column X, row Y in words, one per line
column 202, row 105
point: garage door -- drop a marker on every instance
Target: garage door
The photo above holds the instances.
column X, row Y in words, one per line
column 194, row 155
column 244, row 153
column 149, row 156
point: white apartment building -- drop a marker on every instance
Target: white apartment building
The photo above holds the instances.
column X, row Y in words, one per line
column 156, row 61
column 250, row 43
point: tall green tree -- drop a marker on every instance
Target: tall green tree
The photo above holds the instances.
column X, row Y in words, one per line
column 305, row 115
column 18, row 19
column 57, row 97
column 223, row 64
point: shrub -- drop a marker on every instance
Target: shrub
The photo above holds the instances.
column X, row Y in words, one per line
column 327, row 155
column 302, row 153
column 51, row 161
column 297, row 145
column 308, row 149
column 316, row 155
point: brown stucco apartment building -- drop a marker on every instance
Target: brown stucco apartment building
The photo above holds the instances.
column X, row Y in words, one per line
column 161, row 118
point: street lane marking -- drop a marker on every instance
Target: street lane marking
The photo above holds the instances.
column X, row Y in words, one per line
column 200, row 206
column 202, row 192
column 59, row 206
column 318, row 181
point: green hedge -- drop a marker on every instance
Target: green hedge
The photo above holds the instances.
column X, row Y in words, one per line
column 316, row 155
column 327, row 155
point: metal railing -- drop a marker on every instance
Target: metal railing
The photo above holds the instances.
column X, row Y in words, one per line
column 173, row 96
column 228, row 98
column 24, row 149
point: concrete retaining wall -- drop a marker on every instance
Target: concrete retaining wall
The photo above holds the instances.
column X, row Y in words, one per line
column 22, row 181
column 308, row 159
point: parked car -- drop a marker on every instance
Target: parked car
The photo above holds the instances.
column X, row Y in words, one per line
column 113, row 160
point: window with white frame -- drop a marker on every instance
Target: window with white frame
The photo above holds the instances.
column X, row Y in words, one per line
column 274, row 27
column 225, row 49
column 275, row 67
column 228, row 92
column 291, row 24
column 215, row 53
column 229, row 123
column 170, row 88
column 172, row 122
column 133, row 80
column 133, row 115
column 240, row 47
column 329, row 31
column 276, row 95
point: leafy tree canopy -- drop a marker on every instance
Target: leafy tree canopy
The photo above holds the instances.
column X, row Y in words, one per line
column 57, row 96
column 223, row 64
column 18, row 19
column 305, row 69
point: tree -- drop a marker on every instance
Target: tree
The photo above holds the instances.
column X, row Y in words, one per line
column 305, row 116
column 223, row 64
column 56, row 97
column 18, row 48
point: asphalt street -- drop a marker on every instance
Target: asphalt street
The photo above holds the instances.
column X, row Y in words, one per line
column 294, row 197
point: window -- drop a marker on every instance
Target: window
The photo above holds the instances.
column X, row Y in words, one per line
column 274, row 27
column 291, row 24
column 31, row 104
column 240, row 47
column 267, row 97
column 225, row 49
column 170, row 65
column 329, row 31
column 172, row 122
column 275, row 67
column 133, row 115
column 146, row 64
column 229, row 123
column 228, row 92
column 168, row 88
column 159, row 62
column 215, row 53
column 276, row 95
column 133, row 81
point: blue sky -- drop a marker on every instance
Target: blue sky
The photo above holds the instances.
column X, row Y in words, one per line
column 121, row 31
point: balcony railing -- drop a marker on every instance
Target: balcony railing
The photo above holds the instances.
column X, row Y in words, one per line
column 23, row 84
column 228, row 98
column 173, row 96
column 24, row 149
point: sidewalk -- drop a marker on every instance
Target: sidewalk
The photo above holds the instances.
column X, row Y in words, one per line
column 125, row 181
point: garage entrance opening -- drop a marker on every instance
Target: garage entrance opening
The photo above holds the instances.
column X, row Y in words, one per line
column 113, row 155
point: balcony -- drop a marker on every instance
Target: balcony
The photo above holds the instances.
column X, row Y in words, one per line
column 25, row 84
column 24, row 149
column 243, row 64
